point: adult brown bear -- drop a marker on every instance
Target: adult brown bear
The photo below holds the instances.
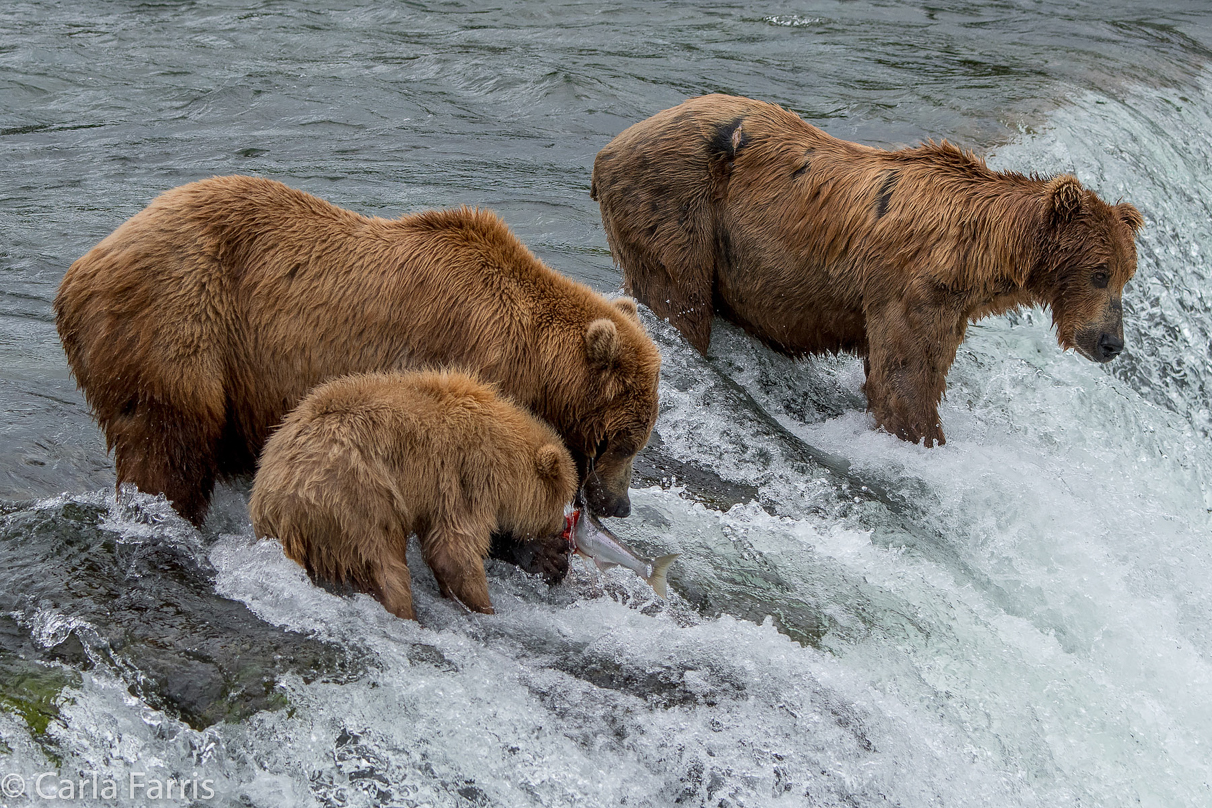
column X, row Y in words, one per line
column 365, row 461
column 814, row 244
column 199, row 323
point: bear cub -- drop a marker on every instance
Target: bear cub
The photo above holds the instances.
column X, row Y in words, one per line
column 365, row 461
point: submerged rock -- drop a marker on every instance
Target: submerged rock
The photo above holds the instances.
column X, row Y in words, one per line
column 84, row 595
column 655, row 466
column 29, row 687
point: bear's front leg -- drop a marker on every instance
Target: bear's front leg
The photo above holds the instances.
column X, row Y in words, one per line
column 911, row 346
column 393, row 587
column 547, row 557
column 456, row 556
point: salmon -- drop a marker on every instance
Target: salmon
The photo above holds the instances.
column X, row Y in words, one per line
column 590, row 538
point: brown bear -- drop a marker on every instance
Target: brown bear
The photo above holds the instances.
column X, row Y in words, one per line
column 812, row 244
column 366, row 461
column 199, row 323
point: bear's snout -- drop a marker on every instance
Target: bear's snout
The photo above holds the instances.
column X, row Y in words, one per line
column 1102, row 340
column 604, row 503
column 621, row 507
column 607, row 483
column 1109, row 346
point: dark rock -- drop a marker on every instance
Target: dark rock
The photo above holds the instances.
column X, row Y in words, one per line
column 147, row 608
column 29, row 687
column 654, row 466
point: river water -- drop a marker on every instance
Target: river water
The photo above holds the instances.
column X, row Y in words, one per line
column 1019, row 618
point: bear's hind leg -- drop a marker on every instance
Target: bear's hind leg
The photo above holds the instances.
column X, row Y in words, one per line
column 161, row 450
column 456, row 556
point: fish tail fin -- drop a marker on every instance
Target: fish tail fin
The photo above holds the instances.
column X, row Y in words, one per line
column 659, row 567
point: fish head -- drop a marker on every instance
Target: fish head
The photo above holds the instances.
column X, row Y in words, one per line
column 570, row 527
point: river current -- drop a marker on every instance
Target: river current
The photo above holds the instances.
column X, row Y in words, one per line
column 1019, row 618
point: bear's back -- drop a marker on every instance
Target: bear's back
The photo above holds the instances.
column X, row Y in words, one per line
column 426, row 430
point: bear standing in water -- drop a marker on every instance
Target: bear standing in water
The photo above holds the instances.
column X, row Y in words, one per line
column 366, row 461
column 199, row 323
column 813, row 244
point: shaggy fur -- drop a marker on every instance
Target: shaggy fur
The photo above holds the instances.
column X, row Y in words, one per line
column 199, row 323
column 365, row 461
column 812, row 244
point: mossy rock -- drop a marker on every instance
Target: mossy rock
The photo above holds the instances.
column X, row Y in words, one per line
column 148, row 611
column 32, row 691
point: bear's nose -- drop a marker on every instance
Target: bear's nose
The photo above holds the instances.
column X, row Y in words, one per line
column 1109, row 347
column 620, row 508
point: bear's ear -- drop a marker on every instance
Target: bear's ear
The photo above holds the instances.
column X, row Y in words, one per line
column 547, row 461
column 627, row 306
column 1130, row 216
column 602, row 343
column 1065, row 197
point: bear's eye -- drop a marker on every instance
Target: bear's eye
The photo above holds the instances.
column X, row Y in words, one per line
column 601, row 450
column 1100, row 278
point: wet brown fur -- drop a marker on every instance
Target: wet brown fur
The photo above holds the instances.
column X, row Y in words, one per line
column 366, row 461
column 813, row 244
column 199, row 323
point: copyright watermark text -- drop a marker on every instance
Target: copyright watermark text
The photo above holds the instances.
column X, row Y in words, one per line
column 135, row 786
